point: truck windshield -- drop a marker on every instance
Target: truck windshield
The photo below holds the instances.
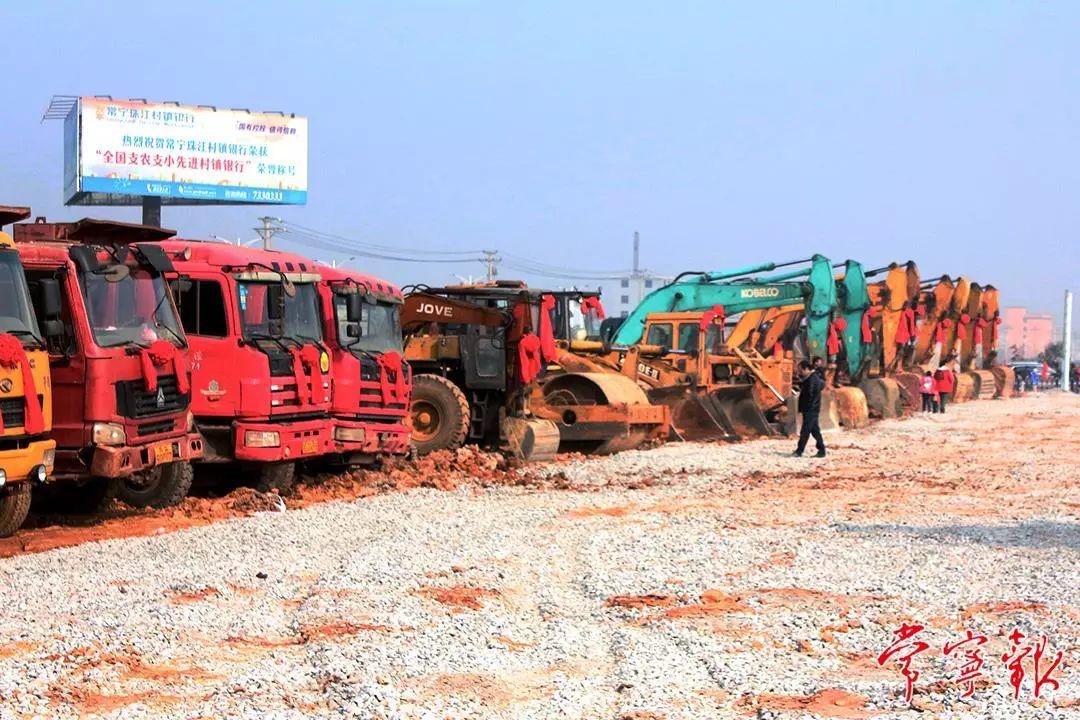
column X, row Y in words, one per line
column 379, row 326
column 134, row 309
column 16, row 315
column 299, row 315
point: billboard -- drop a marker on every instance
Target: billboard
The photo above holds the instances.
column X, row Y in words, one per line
column 118, row 151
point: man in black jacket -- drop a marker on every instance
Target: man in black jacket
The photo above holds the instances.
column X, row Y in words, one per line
column 809, row 406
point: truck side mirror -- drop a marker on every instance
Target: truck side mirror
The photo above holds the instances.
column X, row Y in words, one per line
column 50, row 298
column 354, row 307
column 353, row 330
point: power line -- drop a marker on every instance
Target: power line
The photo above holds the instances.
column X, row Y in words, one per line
column 323, row 244
column 490, row 258
column 376, row 247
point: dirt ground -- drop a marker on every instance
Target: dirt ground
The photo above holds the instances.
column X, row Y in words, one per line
column 685, row 581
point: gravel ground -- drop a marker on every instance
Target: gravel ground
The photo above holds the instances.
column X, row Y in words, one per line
column 686, row 581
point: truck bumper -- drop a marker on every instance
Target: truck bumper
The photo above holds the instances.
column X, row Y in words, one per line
column 18, row 464
column 295, row 440
column 370, row 438
column 114, row 462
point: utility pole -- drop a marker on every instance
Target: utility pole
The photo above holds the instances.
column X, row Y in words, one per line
column 1066, row 342
column 491, row 258
column 268, row 230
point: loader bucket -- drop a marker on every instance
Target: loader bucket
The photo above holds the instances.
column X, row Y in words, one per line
column 737, row 403
column 728, row 413
column 531, row 440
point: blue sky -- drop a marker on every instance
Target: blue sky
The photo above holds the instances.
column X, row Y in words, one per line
column 726, row 133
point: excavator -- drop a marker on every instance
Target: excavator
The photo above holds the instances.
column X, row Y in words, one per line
column 932, row 312
column 716, row 388
column 488, row 367
column 986, row 329
column 889, row 328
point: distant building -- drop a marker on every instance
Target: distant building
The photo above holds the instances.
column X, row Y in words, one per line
column 626, row 293
column 1024, row 334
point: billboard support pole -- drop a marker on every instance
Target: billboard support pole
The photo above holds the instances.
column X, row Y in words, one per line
column 151, row 210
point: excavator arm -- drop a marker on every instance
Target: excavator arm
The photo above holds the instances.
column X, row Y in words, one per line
column 421, row 308
column 816, row 291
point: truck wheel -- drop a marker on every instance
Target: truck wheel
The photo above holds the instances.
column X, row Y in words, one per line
column 439, row 414
column 14, row 505
column 159, row 487
column 276, row 476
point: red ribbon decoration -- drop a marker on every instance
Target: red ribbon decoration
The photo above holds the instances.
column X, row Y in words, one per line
column 391, row 363
column 906, row 331
column 159, row 354
column 547, row 335
column 942, row 328
column 13, row 355
column 994, row 330
column 715, row 314
column 306, row 383
column 778, row 349
column 836, row 329
column 592, row 304
column 961, row 327
column 528, row 358
column 979, row 325
column 867, row 333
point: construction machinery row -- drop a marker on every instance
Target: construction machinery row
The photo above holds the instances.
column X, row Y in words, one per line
column 127, row 355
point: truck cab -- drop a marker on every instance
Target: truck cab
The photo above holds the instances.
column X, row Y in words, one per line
column 118, row 360
column 261, row 367
column 372, row 383
column 26, row 451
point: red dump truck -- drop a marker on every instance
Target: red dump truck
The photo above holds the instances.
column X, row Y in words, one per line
column 118, row 358
column 372, row 383
column 261, row 368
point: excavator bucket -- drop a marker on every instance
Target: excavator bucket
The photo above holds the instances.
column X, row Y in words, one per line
column 531, row 440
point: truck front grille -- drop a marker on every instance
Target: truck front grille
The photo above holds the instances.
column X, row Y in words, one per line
column 133, row 400
column 13, row 411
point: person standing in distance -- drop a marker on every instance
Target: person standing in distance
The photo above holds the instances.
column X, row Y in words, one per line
column 810, row 407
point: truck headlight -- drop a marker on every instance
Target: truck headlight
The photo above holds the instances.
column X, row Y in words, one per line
column 48, row 458
column 109, row 434
column 190, row 421
column 262, row 438
column 348, row 434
